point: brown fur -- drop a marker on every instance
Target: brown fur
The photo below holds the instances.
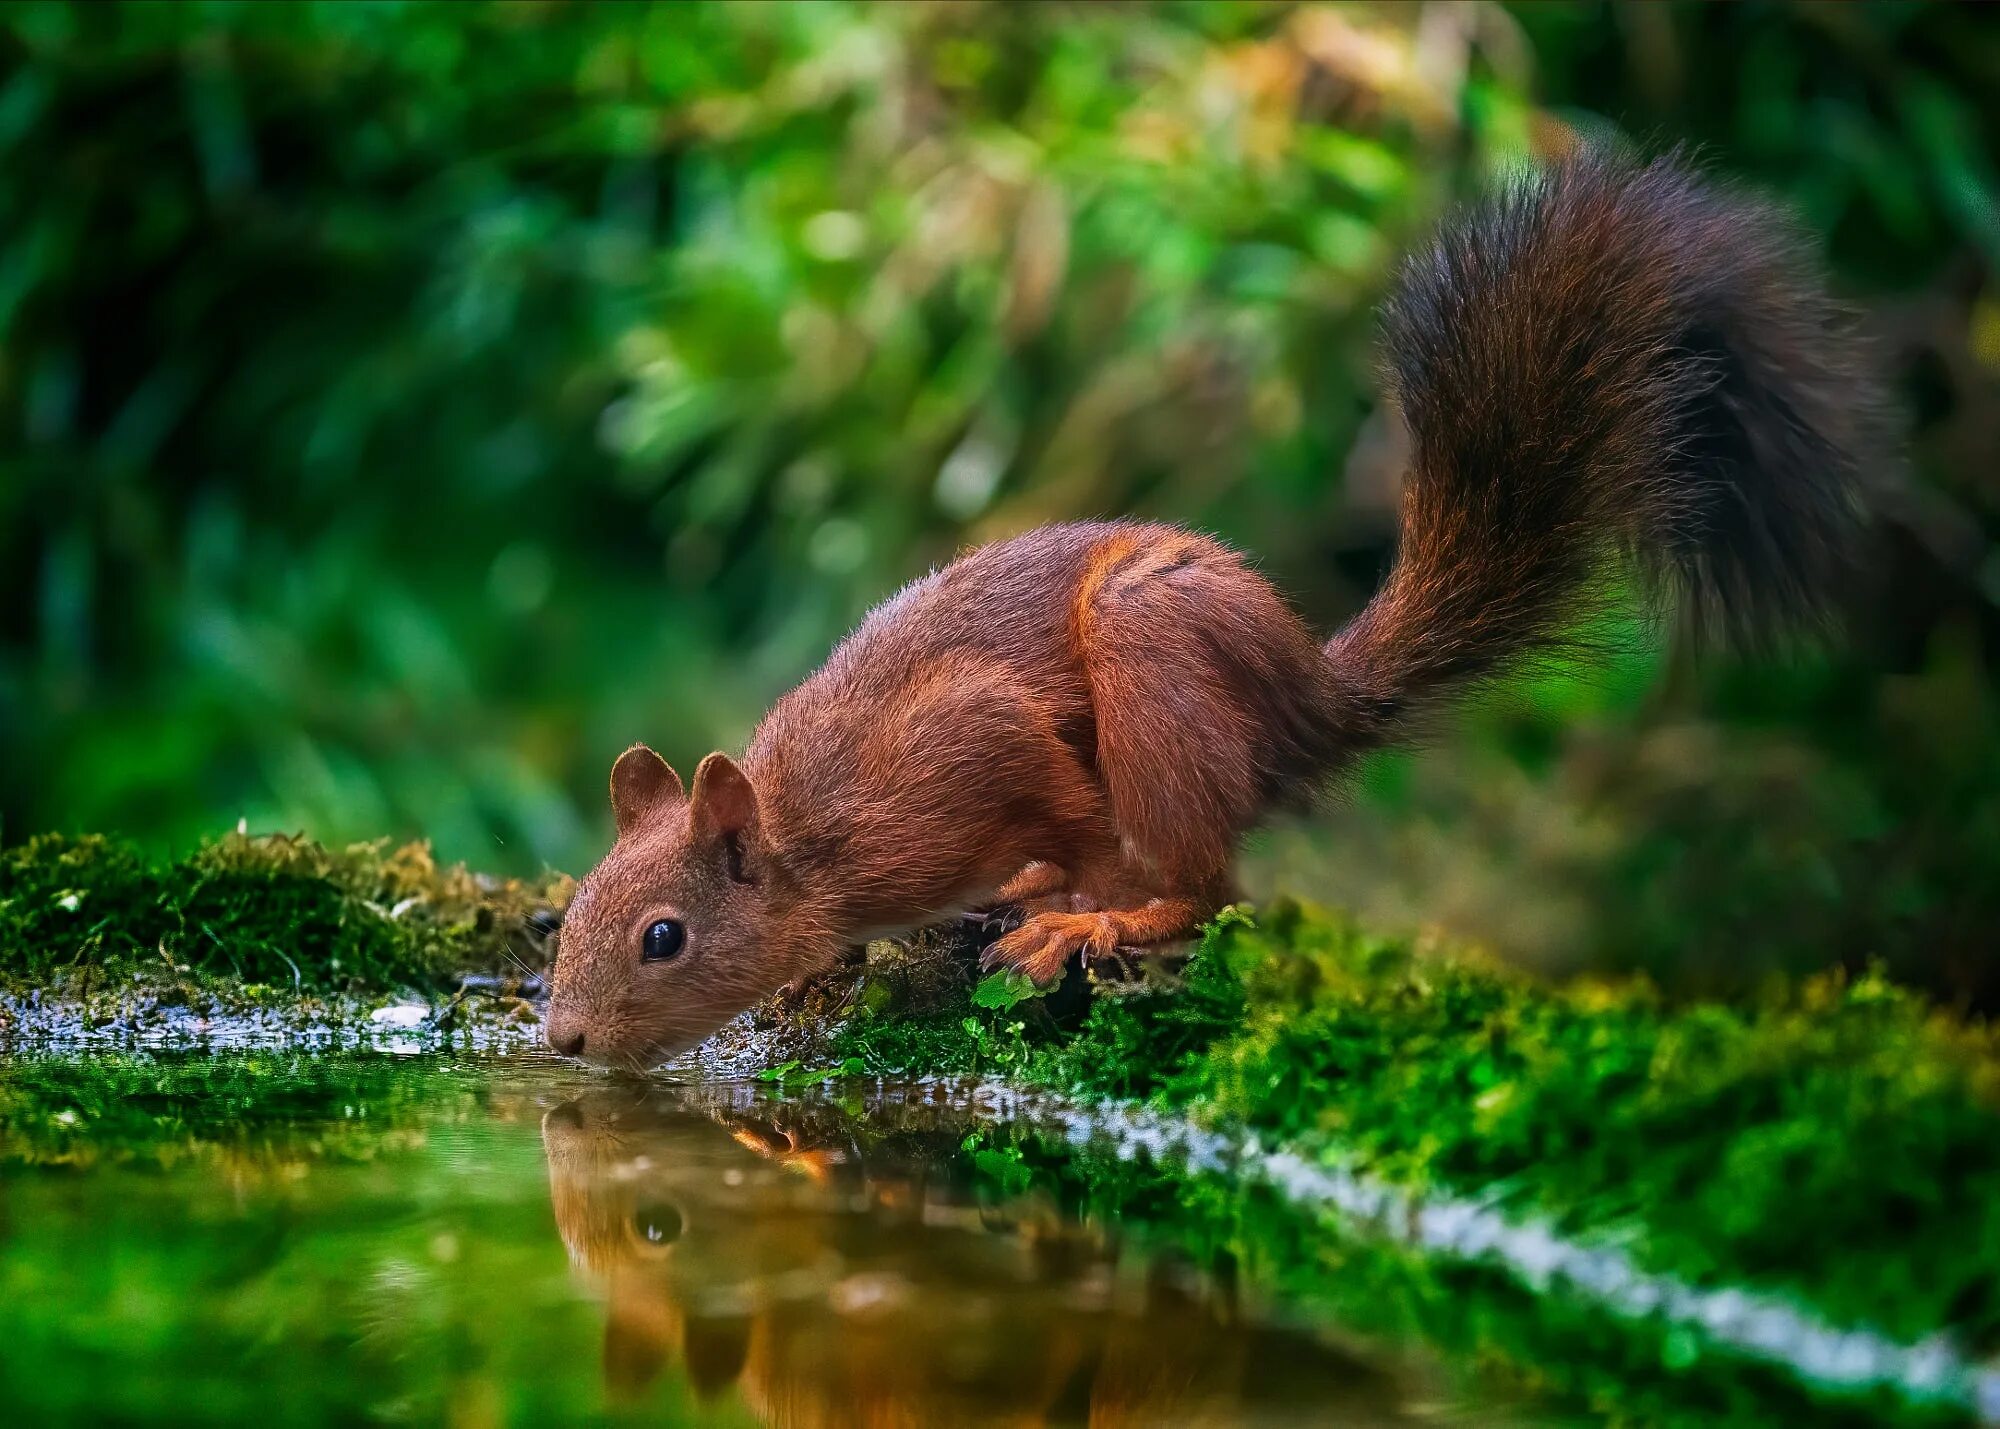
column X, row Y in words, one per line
column 1612, row 364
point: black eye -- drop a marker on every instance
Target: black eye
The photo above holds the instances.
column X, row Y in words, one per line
column 663, row 940
column 657, row 1225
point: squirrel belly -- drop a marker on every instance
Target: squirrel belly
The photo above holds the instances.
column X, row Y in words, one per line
column 1612, row 370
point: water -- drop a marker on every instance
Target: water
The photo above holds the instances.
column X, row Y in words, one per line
column 275, row 1237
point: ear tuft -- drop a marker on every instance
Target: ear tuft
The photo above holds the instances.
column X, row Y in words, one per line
column 642, row 783
column 724, row 803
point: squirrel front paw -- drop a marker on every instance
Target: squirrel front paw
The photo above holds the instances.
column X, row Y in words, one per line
column 1043, row 946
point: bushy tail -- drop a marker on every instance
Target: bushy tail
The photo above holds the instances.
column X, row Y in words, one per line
column 1611, row 367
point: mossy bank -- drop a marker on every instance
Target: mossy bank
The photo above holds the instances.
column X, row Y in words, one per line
column 267, row 910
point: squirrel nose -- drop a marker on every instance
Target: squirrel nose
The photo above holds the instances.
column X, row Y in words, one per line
column 569, row 1044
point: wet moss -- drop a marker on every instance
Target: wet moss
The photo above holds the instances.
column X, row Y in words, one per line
column 1835, row 1140
column 264, row 910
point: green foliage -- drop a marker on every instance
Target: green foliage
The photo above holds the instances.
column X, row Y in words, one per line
column 262, row 911
column 942, row 1045
column 1882, row 127
column 1001, row 1164
column 407, row 406
column 1811, row 820
column 1724, row 1144
column 998, row 992
column 1140, row 1043
column 793, row 1075
column 993, row 1034
column 924, row 1016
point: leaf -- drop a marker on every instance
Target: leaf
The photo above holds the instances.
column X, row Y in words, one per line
column 1006, row 1167
column 812, row 1076
column 778, row 1073
column 1002, row 990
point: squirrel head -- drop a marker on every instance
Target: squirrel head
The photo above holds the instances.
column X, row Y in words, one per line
column 628, row 1180
column 685, row 923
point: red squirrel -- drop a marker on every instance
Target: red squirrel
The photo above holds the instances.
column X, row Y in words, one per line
column 1611, row 367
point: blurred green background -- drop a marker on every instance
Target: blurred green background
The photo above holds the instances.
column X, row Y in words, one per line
column 405, row 406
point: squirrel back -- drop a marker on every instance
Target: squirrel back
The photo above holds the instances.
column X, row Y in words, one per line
column 1609, row 368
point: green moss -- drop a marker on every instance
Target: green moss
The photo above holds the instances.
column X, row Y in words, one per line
column 1836, row 1140
column 263, row 910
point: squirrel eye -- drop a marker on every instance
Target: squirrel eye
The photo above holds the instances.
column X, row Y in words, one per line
column 657, row 1224
column 663, row 940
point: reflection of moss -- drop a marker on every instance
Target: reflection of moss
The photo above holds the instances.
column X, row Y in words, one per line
column 286, row 1241
column 1835, row 1140
column 1485, row 1327
column 159, row 1110
column 264, row 910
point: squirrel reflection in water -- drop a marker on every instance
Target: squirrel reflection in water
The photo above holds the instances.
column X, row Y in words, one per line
column 763, row 1251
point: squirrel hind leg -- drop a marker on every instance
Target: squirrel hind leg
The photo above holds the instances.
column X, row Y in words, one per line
column 1040, row 879
column 1200, row 677
column 1043, row 946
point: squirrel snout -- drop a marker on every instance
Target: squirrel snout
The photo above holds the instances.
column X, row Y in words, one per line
column 564, row 1036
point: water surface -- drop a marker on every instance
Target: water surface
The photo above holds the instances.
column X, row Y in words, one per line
column 278, row 1237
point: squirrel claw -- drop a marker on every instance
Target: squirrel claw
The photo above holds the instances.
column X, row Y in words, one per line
column 1043, row 946
column 988, row 924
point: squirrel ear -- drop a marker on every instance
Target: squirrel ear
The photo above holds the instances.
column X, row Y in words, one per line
column 724, row 804
column 717, row 1347
column 637, row 1345
column 641, row 782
